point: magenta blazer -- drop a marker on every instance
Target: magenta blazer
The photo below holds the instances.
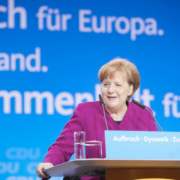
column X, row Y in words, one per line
column 88, row 117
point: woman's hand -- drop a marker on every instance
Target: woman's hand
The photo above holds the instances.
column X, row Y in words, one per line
column 42, row 166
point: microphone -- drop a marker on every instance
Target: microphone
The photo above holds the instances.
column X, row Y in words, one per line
column 102, row 103
column 144, row 107
column 100, row 99
column 139, row 104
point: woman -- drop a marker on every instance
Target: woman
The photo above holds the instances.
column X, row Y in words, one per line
column 119, row 80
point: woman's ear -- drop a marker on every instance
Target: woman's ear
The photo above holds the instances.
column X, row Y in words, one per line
column 130, row 89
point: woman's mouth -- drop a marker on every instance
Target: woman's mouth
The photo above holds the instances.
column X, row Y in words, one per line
column 111, row 97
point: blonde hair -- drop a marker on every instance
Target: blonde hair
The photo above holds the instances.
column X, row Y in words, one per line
column 122, row 65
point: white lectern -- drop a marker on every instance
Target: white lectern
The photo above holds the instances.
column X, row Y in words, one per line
column 118, row 169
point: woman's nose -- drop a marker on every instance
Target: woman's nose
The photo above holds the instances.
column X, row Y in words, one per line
column 111, row 89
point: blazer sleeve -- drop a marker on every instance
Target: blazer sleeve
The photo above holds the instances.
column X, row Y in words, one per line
column 63, row 148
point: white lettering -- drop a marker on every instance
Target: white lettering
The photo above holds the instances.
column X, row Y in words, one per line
column 4, row 62
column 12, row 10
column 118, row 25
column 64, row 99
column 7, row 101
column 175, row 139
column 32, row 62
column 110, row 20
column 65, row 18
column 151, row 28
column 46, row 14
column 124, row 138
column 102, row 27
column 56, row 26
column 135, row 31
column 175, row 107
column 147, row 97
column 167, row 102
column 21, row 58
column 83, row 20
column 36, row 57
column 136, row 25
column 22, row 153
column 84, row 96
column 41, row 15
column 31, row 167
column 51, row 102
column 10, row 167
column 155, row 139
column 38, row 100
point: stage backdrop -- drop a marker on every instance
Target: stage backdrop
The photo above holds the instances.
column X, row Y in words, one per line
column 50, row 55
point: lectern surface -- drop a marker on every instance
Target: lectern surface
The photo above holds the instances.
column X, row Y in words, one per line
column 84, row 167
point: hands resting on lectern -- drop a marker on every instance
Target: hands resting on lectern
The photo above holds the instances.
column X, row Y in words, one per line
column 42, row 166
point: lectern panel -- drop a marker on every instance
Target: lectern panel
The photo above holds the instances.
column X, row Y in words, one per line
column 143, row 174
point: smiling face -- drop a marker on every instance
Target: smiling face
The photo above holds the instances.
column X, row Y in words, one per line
column 115, row 91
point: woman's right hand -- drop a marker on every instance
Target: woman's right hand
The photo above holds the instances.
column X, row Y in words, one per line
column 42, row 166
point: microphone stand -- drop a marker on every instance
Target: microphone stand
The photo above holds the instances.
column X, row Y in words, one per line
column 102, row 103
column 144, row 107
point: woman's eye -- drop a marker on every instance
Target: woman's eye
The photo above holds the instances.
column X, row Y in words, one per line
column 118, row 85
column 105, row 84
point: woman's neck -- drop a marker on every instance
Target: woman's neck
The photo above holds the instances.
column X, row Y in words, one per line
column 119, row 112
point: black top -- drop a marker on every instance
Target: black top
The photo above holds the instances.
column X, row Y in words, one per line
column 118, row 122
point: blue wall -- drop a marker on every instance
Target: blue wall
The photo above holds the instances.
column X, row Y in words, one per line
column 52, row 50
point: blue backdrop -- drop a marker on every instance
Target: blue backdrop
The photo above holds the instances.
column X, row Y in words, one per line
column 50, row 55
